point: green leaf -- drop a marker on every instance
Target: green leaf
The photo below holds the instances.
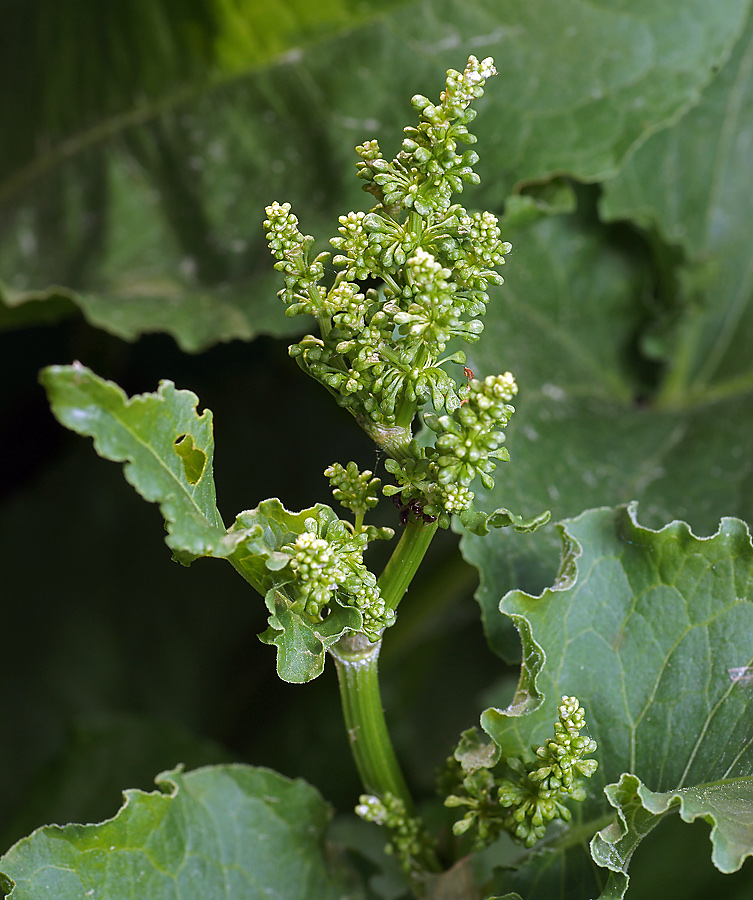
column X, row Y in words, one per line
column 684, row 185
column 586, row 432
column 167, row 448
column 473, row 752
column 643, row 627
column 101, row 753
column 301, row 644
column 479, row 523
column 148, row 205
column 727, row 806
column 35, row 308
column 264, row 531
column 236, row 830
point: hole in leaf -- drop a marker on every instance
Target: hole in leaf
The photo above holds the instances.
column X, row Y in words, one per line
column 194, row 460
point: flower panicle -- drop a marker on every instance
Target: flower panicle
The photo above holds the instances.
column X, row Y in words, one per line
column 528, row 795
column 412, row 278
column 325, row 566
column 408, row 841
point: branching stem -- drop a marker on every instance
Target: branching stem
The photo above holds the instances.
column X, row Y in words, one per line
column 356, row 658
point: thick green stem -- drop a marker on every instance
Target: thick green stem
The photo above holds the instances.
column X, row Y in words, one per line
column 405, row 560
column 356, row 658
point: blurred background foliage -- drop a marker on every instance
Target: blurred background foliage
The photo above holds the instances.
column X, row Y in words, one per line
column 141, row 142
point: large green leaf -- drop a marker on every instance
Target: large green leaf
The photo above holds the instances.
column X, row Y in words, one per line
column 686, row 184
column 587, row 431
column 101, row 753
column 219, row 831
column 574, row 317
column 643, row 627
column 152, row 215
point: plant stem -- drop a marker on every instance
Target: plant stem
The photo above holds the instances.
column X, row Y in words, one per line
column 405, row 560
column 356, row 658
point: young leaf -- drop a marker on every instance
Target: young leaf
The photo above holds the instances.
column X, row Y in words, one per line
column 218, row 831
column 265, row 531
column 266, row 539
column 301, row 645
column 643, row 627
column 167, row 448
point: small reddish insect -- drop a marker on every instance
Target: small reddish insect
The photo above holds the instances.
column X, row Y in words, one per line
column 415, row 506
column 469, row 375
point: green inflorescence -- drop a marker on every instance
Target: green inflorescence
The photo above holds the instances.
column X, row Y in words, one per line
column 408, row 839
column 359, row 492
column 325, row 562
column 412, row 275
column 528, row 795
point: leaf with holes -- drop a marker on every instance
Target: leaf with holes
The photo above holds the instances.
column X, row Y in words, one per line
column 167, row 448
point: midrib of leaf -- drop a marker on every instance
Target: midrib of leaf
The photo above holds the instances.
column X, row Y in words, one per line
column 734, row 761
column 634, row 723
column 736, row 309
column 576, row 350
column 704, row 729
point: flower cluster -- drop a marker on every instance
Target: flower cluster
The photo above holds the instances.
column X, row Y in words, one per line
column 529, row 795
column 293, row 253
column 411, row 280
column 472, row 436
column 318, row 573
column 408, row 839
column 468, row 442
column 428, row 169
column 428, row 264
column 359, row 492
column 325, row 564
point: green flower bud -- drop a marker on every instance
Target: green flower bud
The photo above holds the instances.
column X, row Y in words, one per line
column 318, row 572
